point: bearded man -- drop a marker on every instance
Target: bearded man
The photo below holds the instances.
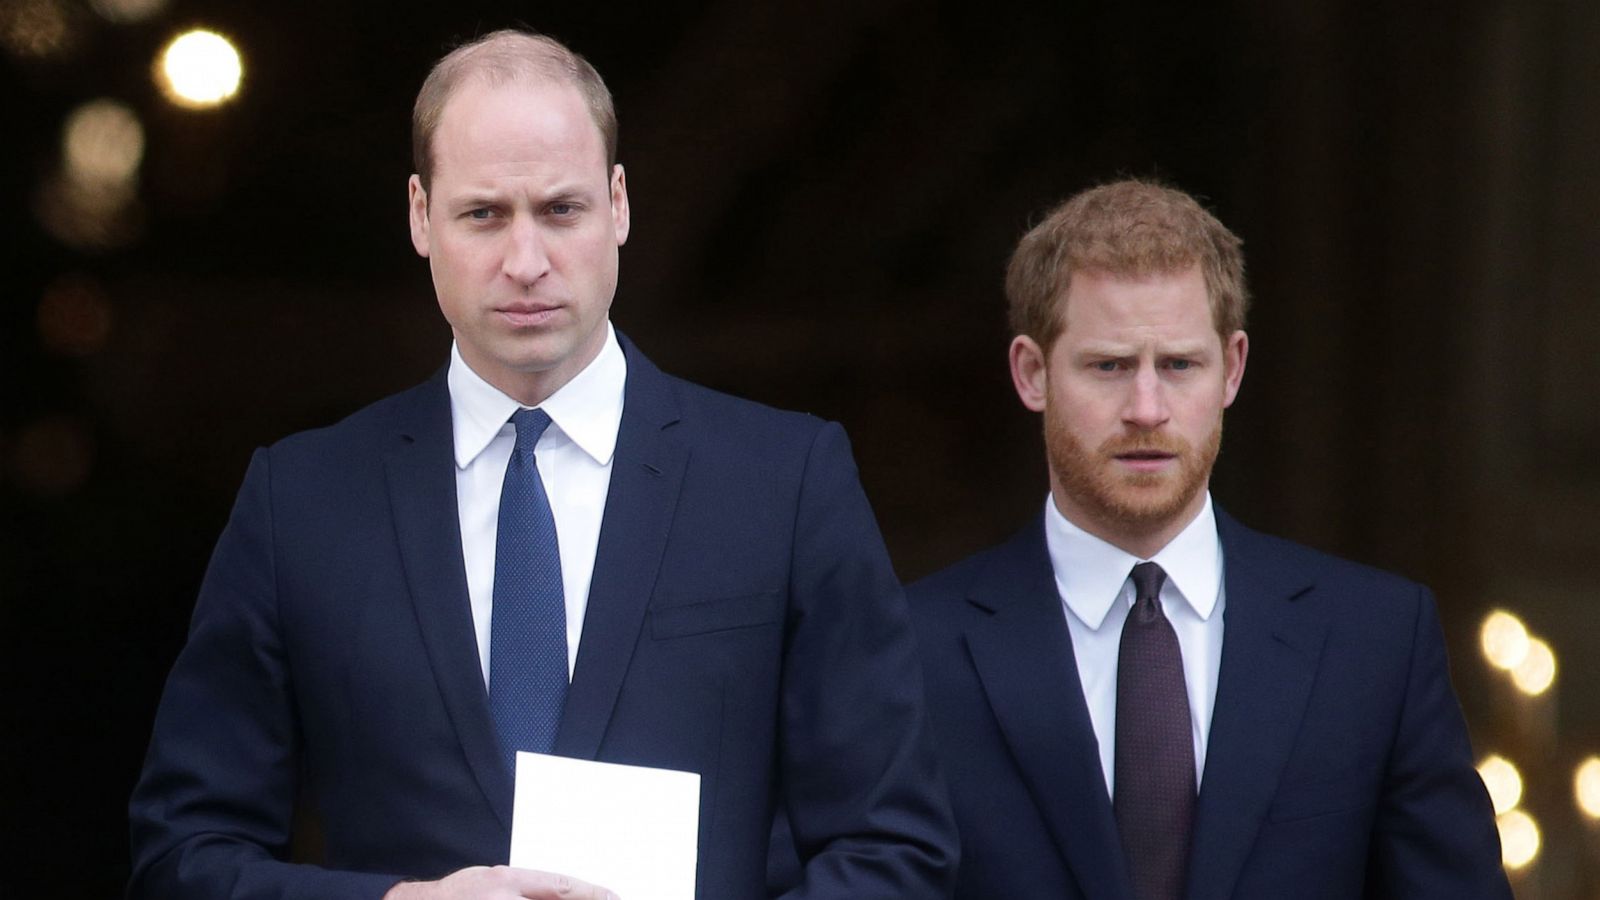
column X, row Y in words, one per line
column 1138, row 698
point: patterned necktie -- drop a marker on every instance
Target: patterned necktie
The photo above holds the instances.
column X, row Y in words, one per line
column 528, row 624
column 1155, row 789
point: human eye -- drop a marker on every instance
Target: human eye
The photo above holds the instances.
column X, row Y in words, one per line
column 563, row 210
column 1182, row 363
column 479, row 213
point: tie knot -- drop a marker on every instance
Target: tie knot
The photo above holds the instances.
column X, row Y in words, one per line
column 1147, row 581
column 530, row 424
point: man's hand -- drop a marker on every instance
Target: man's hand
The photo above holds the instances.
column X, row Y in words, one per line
column 499, row 883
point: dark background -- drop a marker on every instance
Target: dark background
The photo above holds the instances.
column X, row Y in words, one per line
column 824, row 195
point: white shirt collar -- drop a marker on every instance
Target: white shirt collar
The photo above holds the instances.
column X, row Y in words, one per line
column 1090, row 573
column 587, row 409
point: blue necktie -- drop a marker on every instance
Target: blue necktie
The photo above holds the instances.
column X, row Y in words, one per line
column 528, row 625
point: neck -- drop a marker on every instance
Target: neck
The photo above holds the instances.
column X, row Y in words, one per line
column 531, row 387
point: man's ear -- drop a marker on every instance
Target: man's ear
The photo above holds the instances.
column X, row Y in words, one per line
column 1028, row 372
column 1234, row 353
column 620, row 214
column 417, row 203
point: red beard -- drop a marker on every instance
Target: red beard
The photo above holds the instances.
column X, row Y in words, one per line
column 1124, row 501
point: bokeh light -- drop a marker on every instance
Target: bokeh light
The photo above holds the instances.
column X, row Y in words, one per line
column 102, row 143
column 74, row 316
column 200, row 69
column 1537, row 671
column 124, row 12
column 1504, row 640
column 1503, row 781
column 92, row 202
column 52, row 457
column 1519, row 839
column 37, row 29
column 1586, row 786
column 89, row 216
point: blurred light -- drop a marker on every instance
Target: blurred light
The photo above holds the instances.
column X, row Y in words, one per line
column 52, row 457
column 200, row 69
column 1504, row 640
column 126, row 11
column 102, row 143
column 92, row 202
column 1537, row 671
column 89, row 216
column 1586, row 786
column 1519, row 838
column 36, row 29
column 1503, row 781
column 74, row 316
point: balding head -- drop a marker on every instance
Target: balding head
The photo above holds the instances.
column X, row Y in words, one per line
column 506, row 57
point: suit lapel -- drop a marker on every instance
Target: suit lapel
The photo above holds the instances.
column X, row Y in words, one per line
column 646, row 475
column 1020, row 651
column 422, row 496
column 1270, row 650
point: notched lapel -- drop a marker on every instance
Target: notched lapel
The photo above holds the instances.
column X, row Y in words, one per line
column 646, row 475
column 422, row 495
column 1020, row 651
column 1270, row 650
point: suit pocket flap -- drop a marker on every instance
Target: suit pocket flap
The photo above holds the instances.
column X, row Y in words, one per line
column 721, row 614
column 1320, row 798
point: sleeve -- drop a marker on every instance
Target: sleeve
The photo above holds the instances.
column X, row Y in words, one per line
column 864, row 796
column 211, row 813
column 1435, row 833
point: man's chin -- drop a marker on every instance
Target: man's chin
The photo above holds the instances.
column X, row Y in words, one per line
column 1130, row 497
column 1147, row 498
column 1146, row 510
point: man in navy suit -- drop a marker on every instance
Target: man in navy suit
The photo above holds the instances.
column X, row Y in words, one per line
column 716, row 596
column 1138, row 698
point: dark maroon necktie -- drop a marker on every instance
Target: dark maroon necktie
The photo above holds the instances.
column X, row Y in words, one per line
column 1154, row 784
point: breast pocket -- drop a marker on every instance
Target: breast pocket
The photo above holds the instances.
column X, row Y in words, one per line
column 1308, row 800
column 676, row 618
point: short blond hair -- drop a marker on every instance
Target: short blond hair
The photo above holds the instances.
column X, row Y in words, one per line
column 1127, row 228
column 505, row 57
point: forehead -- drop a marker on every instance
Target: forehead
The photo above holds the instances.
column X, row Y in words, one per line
column 1102, row 304
column 525, row 120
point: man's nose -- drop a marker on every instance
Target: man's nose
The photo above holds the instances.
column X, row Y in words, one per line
column 526, row 257
column 1147, row 400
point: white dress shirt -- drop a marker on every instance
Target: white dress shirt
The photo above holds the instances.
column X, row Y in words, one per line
column 1092, row 578
column 574, row 456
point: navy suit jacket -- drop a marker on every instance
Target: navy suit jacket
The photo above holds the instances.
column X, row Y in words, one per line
column 1337, row 764
column 743, row 623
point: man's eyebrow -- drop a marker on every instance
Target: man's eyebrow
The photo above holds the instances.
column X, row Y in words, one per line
column 1105, row 349
column 475, row 197
column 487, row 196
column 1108, row 349
column 576, row 190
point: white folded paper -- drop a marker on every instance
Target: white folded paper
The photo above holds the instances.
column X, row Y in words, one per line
column 631, row 829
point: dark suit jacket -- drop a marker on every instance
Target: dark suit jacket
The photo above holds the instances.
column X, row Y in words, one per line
column 1337, row 764
column 743, row 623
